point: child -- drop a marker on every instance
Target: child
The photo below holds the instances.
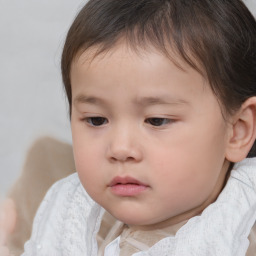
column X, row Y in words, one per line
column 162, row 104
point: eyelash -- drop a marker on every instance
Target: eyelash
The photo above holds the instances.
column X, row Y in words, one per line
column 101, row 121
column 98, row 121
column 158, row 121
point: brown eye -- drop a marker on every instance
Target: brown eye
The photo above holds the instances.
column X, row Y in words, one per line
column 96, row 121
column 156, row 121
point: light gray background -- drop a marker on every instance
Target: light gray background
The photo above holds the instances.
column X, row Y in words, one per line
column 32, row 101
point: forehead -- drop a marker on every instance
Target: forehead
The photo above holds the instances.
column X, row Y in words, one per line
column 123, row 53
column 128, row 47
column 121, row 72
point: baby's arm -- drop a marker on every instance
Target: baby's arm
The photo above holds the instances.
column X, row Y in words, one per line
column 7, row 224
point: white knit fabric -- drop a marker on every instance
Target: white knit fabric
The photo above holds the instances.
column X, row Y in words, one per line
column 68, row 221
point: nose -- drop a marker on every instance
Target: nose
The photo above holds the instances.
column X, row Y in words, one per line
column 124, row 146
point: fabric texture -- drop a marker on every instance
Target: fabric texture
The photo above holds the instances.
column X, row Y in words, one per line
column 68, row 222
column 47, row 161
column 132, row 239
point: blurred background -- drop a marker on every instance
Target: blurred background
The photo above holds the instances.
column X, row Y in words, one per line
column 32, row 100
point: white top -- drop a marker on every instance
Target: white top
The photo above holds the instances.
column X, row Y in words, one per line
column 68, row 221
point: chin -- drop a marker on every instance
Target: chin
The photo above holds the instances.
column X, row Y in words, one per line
column 131, row 219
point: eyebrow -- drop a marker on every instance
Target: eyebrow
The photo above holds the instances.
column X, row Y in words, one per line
column 162, row 100
column 144, row 101
column 88, row 100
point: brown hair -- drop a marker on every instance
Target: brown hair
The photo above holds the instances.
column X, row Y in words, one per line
column 215, row 37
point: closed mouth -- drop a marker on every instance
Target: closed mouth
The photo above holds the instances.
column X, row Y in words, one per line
column 127, row 187
column 125, row 181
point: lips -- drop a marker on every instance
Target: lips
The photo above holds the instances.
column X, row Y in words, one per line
column 127, row 186
column 125, row 181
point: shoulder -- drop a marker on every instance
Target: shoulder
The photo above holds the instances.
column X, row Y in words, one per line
column 59, row 198
column 63, row 202
column 245, row 171
column 63, row 188
column 61, row 191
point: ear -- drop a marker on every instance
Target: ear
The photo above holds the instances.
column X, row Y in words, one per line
column 242, row 131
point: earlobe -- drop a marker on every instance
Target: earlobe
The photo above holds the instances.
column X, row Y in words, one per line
column 243, row 131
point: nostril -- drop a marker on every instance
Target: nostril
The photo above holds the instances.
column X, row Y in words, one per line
column 130, row 159
column 122, row 159
column 124, row 153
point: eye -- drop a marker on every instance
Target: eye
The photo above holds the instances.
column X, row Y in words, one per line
column 157, row 121
column 96, row 121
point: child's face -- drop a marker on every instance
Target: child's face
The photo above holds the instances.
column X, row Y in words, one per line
column 149, row 139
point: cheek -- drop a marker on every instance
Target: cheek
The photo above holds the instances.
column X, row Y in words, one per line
column 187, row 170
column 85, row 146
column 89, row 172
column 181, row 184
column 86, row 156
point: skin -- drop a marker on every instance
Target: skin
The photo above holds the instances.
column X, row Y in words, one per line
column 180, row 156
column 7, row 224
